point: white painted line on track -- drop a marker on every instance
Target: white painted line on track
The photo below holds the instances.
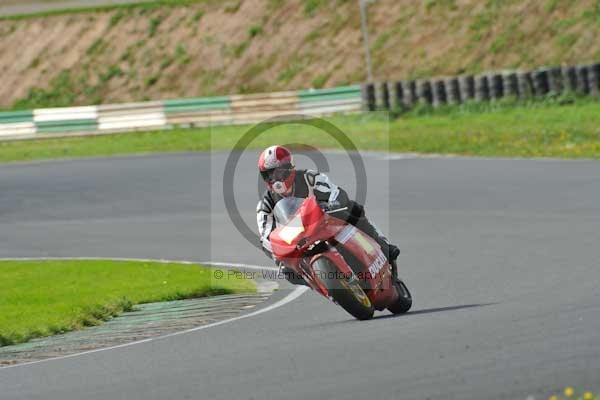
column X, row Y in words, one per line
column 297, row 292
column 377, row 155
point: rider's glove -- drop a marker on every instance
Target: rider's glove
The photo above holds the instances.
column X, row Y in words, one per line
column 329, row 206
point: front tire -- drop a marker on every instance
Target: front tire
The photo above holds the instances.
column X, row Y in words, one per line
column 404, row 302
column 347, row 293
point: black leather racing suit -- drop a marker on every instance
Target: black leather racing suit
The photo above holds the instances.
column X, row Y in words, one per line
column 324, row 191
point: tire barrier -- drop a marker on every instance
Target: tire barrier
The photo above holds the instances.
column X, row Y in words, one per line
column 525, row 85
column 582, row 86
column 466, row 85
column 452, row 91
column 482, row 90
column 382, row 98
column 394, row 92
column 555, row 80
column 569, row 77
column 495, row 83
column 438, row 93
column 540, row 82
column 511, row 87
column 368, row 97
column 424, row 92
column 594, row 79
column 582, row 80
column 409, row 93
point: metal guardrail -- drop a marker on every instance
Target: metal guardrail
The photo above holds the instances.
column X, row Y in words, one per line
column 223, row 110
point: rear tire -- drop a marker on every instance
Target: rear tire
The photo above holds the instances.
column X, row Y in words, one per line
column 404, row 302
column 348, row 294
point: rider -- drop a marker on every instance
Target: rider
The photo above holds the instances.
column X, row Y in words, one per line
column 277, row 169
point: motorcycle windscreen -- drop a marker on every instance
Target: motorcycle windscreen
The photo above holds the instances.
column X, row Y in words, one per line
column 285, row 209
column 288, row 218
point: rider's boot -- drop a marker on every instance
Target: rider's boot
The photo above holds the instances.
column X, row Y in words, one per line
column 391, row 251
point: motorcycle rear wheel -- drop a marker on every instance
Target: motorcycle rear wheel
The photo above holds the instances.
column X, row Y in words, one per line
column 347, row 293
column 404, row 302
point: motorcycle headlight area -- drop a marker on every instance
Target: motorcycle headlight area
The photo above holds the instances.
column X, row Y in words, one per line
column 292, row 229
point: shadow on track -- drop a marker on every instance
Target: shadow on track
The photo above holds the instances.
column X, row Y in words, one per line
column 410, row 313
column 432, row 310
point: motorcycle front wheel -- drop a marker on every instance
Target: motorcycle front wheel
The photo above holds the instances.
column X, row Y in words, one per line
column 346, row 292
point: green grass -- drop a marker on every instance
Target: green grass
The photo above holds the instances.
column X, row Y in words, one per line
column 255, row 30
column 60, row 93
column 496, row 129
column 320, row 80
column 153, row 25
column 311, row 6
column 40, row 298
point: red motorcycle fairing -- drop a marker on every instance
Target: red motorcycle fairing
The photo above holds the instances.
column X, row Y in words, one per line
column 336, row 258
column 377, row 274
column 312, row 218
column 292, row 244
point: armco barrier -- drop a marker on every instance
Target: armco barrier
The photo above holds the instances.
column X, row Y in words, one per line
column 238, row 109
column 17, row 123
column 69, row 119
column 198, row 111
column 344, row 99
column 247, row 109
column 133, row 116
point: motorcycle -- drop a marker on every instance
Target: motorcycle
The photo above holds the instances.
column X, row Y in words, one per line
column 336, row 259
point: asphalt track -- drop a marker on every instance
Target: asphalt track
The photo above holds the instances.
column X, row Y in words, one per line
column 13, row 7
column 502, row 257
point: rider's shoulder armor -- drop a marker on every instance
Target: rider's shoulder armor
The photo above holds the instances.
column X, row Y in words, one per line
column 268, row 202
column 311, row 176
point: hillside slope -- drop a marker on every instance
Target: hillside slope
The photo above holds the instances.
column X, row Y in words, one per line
column 240, row 46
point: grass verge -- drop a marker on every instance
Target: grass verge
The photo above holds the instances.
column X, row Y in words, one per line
column 41, row 298
column 506, row 130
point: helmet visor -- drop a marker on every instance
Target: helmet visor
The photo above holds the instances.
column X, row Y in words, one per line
column 275, row 174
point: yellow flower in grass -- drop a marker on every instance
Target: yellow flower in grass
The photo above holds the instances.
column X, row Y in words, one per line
column 588, row 396
column 568, row 391
column 553, row 398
